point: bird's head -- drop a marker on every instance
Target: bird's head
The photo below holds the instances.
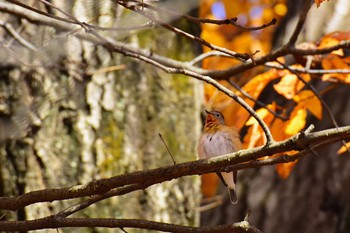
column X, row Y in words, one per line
column 215, row 116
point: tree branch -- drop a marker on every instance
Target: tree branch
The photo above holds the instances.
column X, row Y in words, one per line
column 59, row 222
column 301, row 21
column 158, row 175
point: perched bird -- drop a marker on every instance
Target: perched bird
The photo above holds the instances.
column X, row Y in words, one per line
column 219, row 139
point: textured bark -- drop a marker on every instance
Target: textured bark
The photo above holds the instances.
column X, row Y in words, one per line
column 316, row 196
column 65, row 123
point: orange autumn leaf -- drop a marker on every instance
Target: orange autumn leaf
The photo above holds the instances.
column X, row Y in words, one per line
column 339, row 35
column 257, row 84
column 329, row 42
column 307, row 99
column 333, row 39
column 333, row 61
column 262, row 113
column 284, row 169
column 318, row 2
column 296, row 122
column 277, row 129
column 290, row 85
column 344, row 148
column 255, row 135
column 209, row 185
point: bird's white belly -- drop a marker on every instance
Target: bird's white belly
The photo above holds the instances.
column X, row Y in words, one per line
column 217, row 144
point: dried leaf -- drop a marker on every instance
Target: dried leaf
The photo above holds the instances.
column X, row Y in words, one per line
column 343, row 149
column 255, row 86
column 284, row 169
column 210, row 184
column 255, row 136
column 329, row 42
column 318, row 2
column 290, row 85
column 277, row 129
column 333, row 61
column 307, row 99
column 296, row 122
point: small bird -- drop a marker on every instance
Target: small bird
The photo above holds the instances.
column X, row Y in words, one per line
column 219, row 139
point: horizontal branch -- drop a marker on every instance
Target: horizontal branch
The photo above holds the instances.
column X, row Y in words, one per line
column 150, row 177
column 58, row 222
column 307, row 70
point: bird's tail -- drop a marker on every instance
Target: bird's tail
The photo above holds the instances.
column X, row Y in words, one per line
column 230, row 180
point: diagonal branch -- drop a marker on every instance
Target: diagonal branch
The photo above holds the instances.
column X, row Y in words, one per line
column 240, row 56
column 158, row 175
column 301, row 21
column 231, row 21
column 158, row 62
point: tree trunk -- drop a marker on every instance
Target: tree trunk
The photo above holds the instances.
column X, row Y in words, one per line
column 71, row 112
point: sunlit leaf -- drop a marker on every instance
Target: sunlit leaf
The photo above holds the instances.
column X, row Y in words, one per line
column 255, row 136
column 296, row 122
column 255, row 86
column 284, row 169
column 210, row 184
column 262, row 113
column 329, row 42
column 344, row 148
column 339, row 35
column 290, row 85
column 333, row 61
column 277, row 129
column 318, row 2
column 308, row 100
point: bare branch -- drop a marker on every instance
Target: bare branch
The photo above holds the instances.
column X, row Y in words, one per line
column 240, row 56
column 306, row 70
column 158, row 175
column 231, row 21
column 17, row 36
column 314, row 91
column 256, row 101
column 342, row 44
column 301, row 21
column 59, row 222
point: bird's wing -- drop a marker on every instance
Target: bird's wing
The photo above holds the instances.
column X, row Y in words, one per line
column 233, row 136
column 202, row 154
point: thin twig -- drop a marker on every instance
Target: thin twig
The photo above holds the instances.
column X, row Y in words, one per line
column 240, row 56
column 314, row 91
column 307, row 71
column 301, row 21
column 230, row 21
column 167, row 148
column 17, row 36
column 254, row 28
column 324, row 104
column 203, row 56
column 123, row 230
column 128, row 50
column 3, row 215
column 261, row 104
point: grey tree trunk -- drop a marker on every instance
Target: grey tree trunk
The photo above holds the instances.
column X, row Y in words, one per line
column 71, row 112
